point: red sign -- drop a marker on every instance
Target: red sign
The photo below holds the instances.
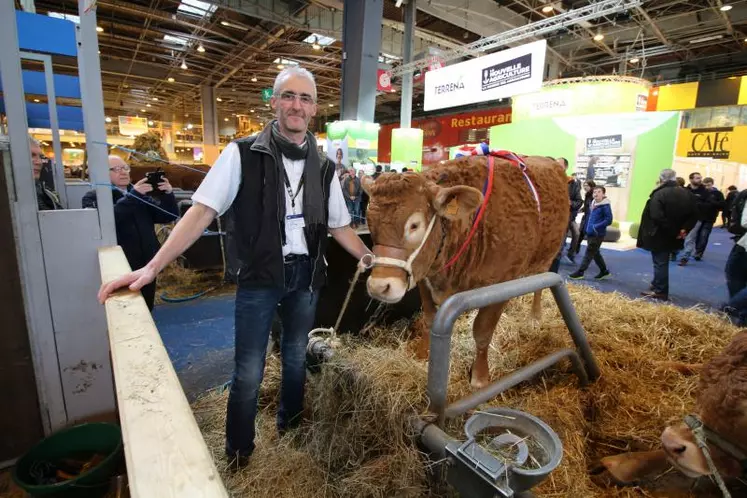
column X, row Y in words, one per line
column 442, row 132
column 383, row 81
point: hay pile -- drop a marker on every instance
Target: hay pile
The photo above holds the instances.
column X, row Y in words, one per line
column 176, row 281
column 354, row 441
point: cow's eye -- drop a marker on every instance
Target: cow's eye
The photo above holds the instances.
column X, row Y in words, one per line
column 414, row 226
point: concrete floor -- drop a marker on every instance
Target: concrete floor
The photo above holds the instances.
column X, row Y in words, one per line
column 198, row 335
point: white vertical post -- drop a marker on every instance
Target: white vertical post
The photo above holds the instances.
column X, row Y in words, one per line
column 89, row 71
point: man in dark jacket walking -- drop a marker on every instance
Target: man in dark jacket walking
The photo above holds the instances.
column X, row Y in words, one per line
column 728, row 202
column 576, row 203
column 669, row 213
column 709, row 202
column 283, row 201
column 135, row 213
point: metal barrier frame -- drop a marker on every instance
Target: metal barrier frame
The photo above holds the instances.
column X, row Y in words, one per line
column 582, row 360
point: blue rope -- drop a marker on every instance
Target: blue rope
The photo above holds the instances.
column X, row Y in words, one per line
column 128, row 194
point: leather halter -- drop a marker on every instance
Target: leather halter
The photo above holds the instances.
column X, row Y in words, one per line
column 392, row 256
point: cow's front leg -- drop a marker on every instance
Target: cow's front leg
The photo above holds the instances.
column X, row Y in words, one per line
column 482, row 331
column 422, row 344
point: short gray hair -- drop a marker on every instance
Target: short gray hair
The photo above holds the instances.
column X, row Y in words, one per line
column 33, row 141
column 667, row 175
column 293, row 71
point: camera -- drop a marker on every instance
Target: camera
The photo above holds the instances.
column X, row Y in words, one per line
column 153, row 178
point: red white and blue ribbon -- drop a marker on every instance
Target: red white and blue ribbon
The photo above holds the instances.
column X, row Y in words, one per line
column 483, row 149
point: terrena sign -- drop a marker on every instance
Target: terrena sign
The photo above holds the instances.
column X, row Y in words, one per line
column 491, row 77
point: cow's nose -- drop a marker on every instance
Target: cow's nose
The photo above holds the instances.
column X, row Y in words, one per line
column 379, row 286
column 672, row 442
column 387, row 289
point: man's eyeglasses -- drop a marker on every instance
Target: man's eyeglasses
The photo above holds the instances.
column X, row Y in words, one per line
column 305, row 98
column 119, row 169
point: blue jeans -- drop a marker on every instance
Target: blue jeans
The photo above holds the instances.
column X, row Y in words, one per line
column 697, row 239
column 736, row 281
column 255, row 308
column 354, row 208
column 660, row 283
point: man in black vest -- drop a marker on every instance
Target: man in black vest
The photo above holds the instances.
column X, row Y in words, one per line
column 283, row 199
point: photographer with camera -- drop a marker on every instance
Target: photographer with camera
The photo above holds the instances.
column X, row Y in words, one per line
column 136, row 209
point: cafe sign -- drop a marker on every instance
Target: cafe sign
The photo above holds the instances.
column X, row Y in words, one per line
column 710, row 142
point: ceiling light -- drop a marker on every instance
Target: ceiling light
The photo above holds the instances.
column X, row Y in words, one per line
column 252, row 110
column 108, row 119
column 147, row 105
column 331, row 105
column 706, row 38
column 655, row 92
column 634, row 60
column 732, row 77
column 36, row 100
column 224, row 23
column 100, row 29
column 200, row 48
column 316, row 45
column 267, row 105
column 398, row 4
column 598, row 37
column 184, row 65
column 155, row 99
column 254, row 78
column 150, row 123
column 142, row 110
column 219, row 99
column 225, row 119
column 547, row 9
column 280, row 66
column 726, row 8
column 189, row 126
column 170, row 80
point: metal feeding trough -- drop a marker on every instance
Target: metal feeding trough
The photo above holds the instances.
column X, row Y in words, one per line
column 506, row 452
column 511, row 451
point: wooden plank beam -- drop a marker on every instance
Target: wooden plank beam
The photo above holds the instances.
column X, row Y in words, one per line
column 165, row 452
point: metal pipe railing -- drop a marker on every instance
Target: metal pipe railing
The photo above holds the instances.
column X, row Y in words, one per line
column 452, row 308
column 462, row 406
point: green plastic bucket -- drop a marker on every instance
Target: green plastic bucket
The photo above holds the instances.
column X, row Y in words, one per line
column 74, row 442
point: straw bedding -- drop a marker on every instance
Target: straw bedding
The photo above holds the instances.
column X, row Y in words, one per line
column 354, row 440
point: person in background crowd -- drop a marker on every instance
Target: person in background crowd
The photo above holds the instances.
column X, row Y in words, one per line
column 351, row 189
column 710, row 202
column 669, row 213
column 405, row 170
column 736, row 273
column 591, row 169
column 364, row 197
column 284, row 200
column 576, row 202
column 46, row 198
column 339, row 166
column 680, row 181
column 588, row 199
column 732, row 193
column 596, row 229
column 135, row 213
column 377, row 174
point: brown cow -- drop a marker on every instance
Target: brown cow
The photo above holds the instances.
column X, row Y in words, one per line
column 513, row 240
column 721, row 406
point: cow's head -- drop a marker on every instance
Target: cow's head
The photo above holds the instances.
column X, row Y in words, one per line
column 683, row 452
column 402, row 215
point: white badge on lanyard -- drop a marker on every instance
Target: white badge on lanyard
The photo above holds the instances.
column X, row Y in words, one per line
column 294, row 222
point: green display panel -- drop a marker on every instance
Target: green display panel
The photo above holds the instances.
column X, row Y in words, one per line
column 407, row 148
column 622, row 152
column 353, row 144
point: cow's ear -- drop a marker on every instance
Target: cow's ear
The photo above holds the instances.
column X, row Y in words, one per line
column 366, row 183
column 459, row 202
